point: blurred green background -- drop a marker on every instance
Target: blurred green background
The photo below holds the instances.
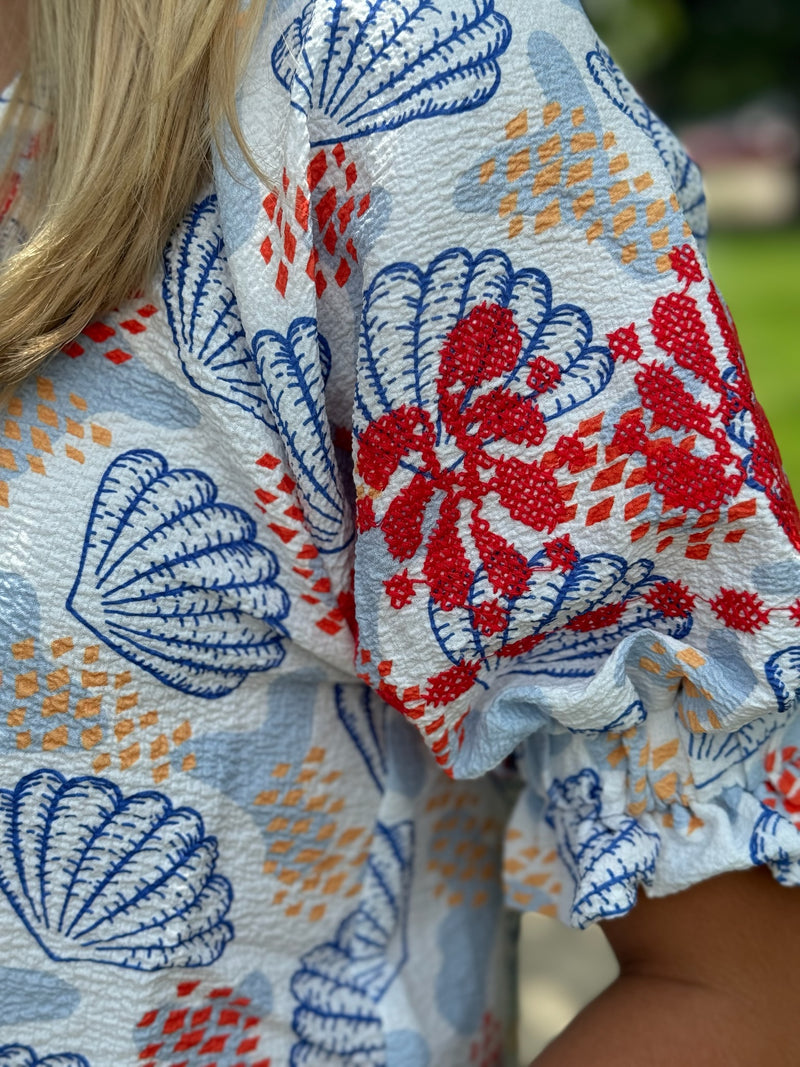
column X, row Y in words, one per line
column 759, row 274
column 725, row 74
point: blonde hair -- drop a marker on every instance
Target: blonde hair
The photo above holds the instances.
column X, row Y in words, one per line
column 131, row 94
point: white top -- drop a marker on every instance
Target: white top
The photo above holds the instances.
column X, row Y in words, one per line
column 271, row 724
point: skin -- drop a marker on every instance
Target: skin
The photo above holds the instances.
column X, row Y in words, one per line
column 707, row 976
column 707, row 979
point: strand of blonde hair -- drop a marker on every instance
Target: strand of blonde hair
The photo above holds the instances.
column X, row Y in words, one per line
column 131, row 94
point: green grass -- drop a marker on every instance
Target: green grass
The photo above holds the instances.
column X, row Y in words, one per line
column 758, row 273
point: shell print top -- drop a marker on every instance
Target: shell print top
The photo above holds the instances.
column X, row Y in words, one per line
column 412, row 544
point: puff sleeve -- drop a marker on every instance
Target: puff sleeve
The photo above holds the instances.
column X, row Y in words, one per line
column 574, row 539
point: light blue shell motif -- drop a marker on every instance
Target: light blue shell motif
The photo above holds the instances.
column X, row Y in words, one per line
column 436, row 298
column 103, row 878
column 340, row 983
column 683, row 171
column 23, row 1056
column 379, row 64
column 608, row 855
column 175, row 581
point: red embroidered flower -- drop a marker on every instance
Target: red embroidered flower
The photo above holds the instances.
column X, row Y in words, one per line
column 465, row 417
column 483, row 347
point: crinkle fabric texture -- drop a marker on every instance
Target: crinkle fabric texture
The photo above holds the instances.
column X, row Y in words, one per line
column 416, row 532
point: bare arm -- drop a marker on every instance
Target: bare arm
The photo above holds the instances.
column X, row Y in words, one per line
column 708, row 978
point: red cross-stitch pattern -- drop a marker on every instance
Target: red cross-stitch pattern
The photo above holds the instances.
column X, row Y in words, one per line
column 765, row 465
column 562, row 553
column 598, row 618
column 740, row 610
column 195, row 1035
column 694, row 466
column 672, row 599
column 624, row 344
column 451, row 683
column 399, row 589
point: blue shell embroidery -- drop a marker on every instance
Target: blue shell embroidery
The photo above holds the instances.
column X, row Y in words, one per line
column 100, row 877
column 175, row 581
column 381, row 64
column 775, row 841
column 783, row 674
column 22, row 1056
column 294, row 369
column 436, row 299
column 607, row 855
column 203, row 314
column 340, row 983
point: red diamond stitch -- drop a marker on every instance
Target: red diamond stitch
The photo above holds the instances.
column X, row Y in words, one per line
column 133, row 326
column 609, row 476
column 599, row 512
column 99, row 331
column 636, row 506
column 175, row 1021
column 117, row 356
